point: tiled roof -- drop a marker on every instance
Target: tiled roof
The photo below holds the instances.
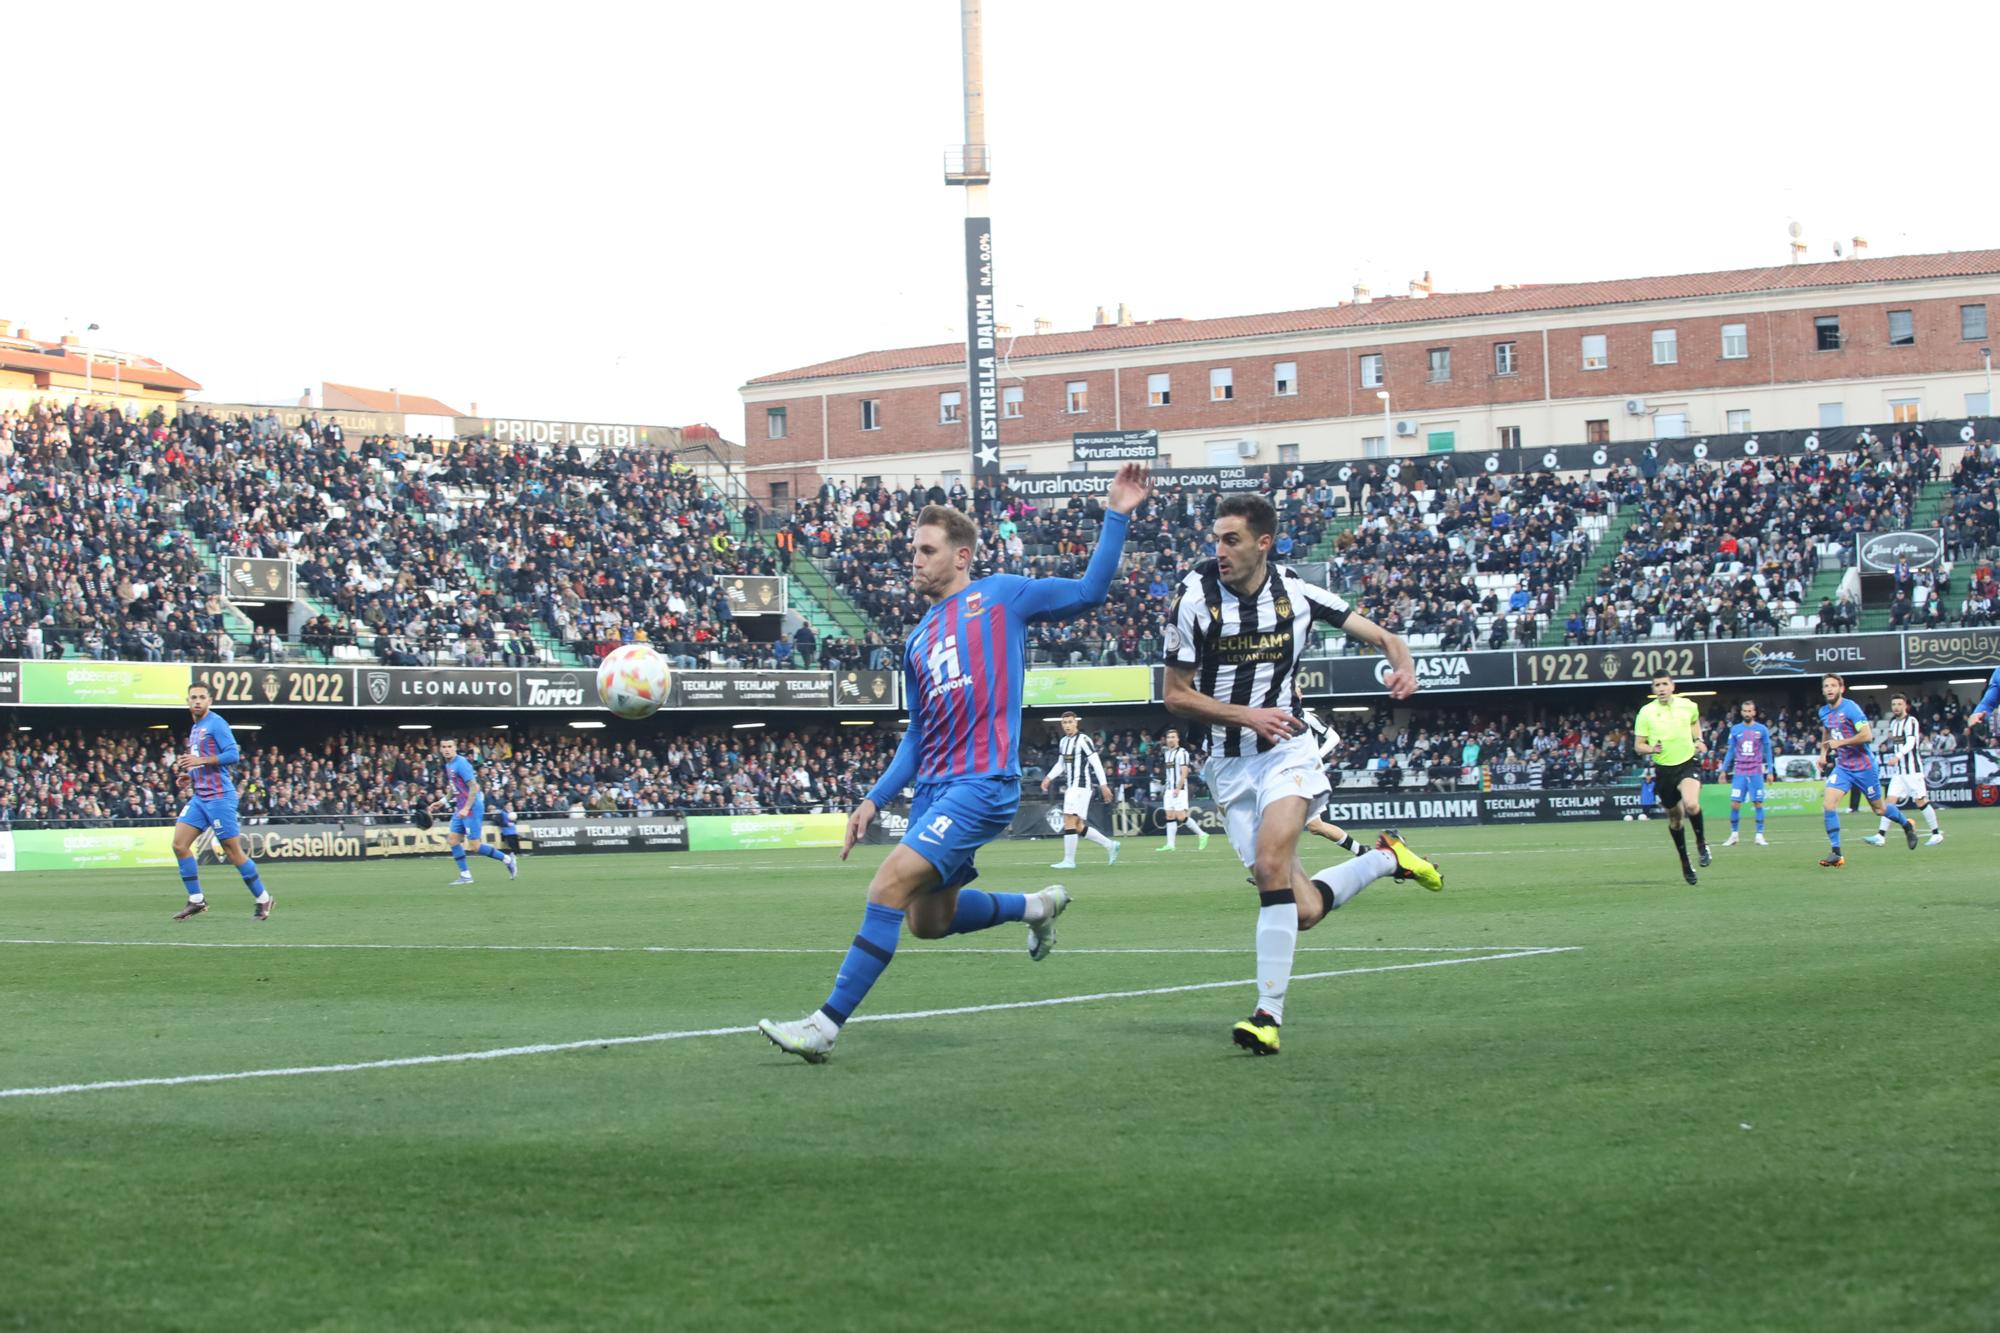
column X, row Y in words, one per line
column 1441, row 306
column 348, row 398
column 53, row 358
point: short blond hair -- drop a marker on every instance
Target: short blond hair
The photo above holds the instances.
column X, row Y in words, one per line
column 958, row 529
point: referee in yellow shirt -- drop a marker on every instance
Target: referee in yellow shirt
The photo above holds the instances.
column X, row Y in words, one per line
column 1669, row 730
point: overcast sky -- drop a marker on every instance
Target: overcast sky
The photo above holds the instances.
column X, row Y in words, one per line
column 615, row 213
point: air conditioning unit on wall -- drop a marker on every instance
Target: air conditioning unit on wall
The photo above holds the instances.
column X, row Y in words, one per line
column 1406, row 428
column 1635, row 407
column 1248, row 448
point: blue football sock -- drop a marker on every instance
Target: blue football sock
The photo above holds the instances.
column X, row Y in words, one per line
column 251, row 880
column 190, row 876
column 979, row 910
column 488, row 849
column 1892, row 813
column 866, row 958
column 458, row 855
column 1735, row 817
column 1833, row 829
column 1760, row 819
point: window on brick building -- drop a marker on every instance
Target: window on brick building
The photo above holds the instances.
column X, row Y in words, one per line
column 1503, row 358
column 1594, row 355
column 1972, row 322
column 1666, row 347
column 1010, row 400
column 775, row 424
column 1285, row 379
column 1221, row 384
column 1374, row 446
column 781, row 494
column 1510, row 437
column 1289, row 453
column 1832, row 414
column 1905, row 409
column 1735, row 342
column 1826, row 333
column 1597, row 432
column 1902, row 329
column 1440, row 365
column 1371, row 371
column 871, row 483
column 1159, row 389
column 871, row 414
column 948, row 404
column 1670, row 426
column 1979, row 404
column 1077, row 397
column 1738, row 420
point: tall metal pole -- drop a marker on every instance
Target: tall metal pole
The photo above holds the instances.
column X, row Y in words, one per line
column 973, row 170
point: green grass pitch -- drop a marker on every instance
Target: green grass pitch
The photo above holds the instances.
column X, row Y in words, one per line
column 1767, row 1102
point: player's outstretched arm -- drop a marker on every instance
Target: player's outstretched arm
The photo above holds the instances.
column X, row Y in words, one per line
column 1055, row 599
column 1184, row 700
column 1987, row 701
column 901, row 772
column 1402, row 678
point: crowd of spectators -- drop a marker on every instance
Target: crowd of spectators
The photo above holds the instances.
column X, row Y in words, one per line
column 421, row 552
column 95, row 775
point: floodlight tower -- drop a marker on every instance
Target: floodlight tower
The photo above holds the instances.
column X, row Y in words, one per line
column 971, row 166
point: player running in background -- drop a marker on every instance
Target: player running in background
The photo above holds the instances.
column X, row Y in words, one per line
column 502, row 814
column 1903, row 765
column 211, row 807
column 1233, row 641
column 964, row 668
column 1852, row 764
column 1750, row 763
column 1649, row 792
column 468, row 815
column 1082, row 772
column 1327, row 741
column 1669, row 729
column 1179, row 763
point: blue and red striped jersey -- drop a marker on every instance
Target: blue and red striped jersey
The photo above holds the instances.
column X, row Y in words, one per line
column 1842, row 720
column 966, row 661
column 212, row 735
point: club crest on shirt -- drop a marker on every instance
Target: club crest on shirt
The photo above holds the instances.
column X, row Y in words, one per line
column 1283, row 606
column 975, row 603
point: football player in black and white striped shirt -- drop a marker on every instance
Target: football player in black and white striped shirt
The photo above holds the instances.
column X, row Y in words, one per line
column 1176, row 807
column 1233, row 641
column 1899, row 745
column 1082, row 772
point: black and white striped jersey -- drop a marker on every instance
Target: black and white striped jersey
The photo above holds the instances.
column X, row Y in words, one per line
column 1245, row 647
column 1897, row 745
column 1177, row 761
column 1077, row 756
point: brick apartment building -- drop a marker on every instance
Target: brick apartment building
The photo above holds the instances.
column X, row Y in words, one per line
column 1858, row 341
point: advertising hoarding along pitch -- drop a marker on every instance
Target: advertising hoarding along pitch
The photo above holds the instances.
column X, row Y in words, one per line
column 104, row 684
column 278, row 686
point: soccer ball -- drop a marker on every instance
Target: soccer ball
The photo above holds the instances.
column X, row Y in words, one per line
column 632, row 681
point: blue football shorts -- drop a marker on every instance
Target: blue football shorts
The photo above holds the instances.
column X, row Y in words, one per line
column 951, row 819
column 1746, row 787
column 211, row 812
column 473, row 823
column 1867, row 781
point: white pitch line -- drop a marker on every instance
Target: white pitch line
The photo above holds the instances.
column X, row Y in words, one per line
column 729, row 949
column 649, row 1038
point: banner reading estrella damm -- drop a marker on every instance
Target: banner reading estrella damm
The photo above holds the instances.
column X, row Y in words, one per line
column 1048, row 687
column 732, row 833
column 96, row 684
column 93, row 849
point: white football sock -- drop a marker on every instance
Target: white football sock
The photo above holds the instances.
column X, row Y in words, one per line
column 1277, row 941
column 1095, row 836
column 1173, row 827
column 1349, row 878
column 1034, row 908
column 1930, row 817
column 1069, row 846
column 1882, row 826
